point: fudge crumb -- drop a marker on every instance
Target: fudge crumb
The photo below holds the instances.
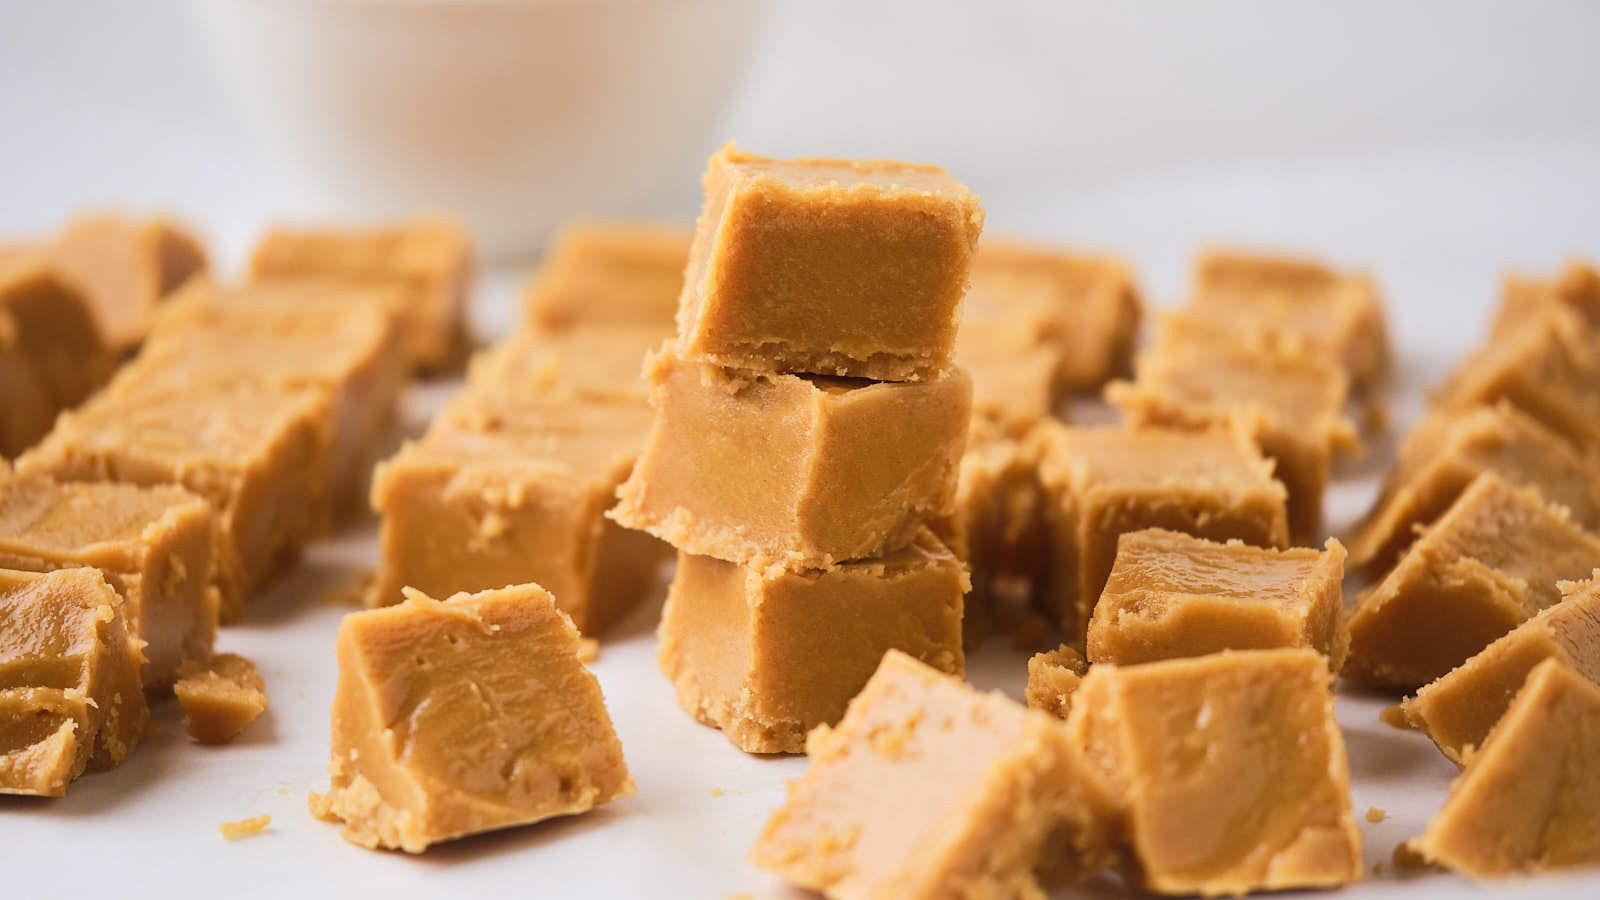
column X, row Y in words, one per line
column 588, row 650
column 233, row 831
column 1407, row 859
column 1395, row 717
column 717, row 792
column 220, row 696
column 1376, row 815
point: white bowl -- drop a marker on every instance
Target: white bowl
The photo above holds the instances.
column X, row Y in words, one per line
column 514, row 115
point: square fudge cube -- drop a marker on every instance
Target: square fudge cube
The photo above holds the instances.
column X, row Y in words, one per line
column 1524, row 297
column 604, row 275
column 71, row 699
column 833, row 267
column 799, row 472
column 466, row 715
column 125, row 268
column 1490, row 563
column 768, row 654
column 1171, row 595
column 927, row 788
column 1459, row 709
column 1097, row 483
column 1228, row 771
column 154, row 545
column 51, row 355
column 1053, row 677
column 1529, row 800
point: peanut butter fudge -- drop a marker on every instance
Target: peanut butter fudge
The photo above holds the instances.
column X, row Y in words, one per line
column 1577, row 287
column 800, row 472
column 1013, row 374
column 51, row 354
column 582, row 365
column 604, row 275
column 1172, row 595
column 124, row 269
column 997, row 529
column 153, row 544
column 834, row 267
column 927, row 789
column 71, row 699
column 1227, row 772
column 1098, row 483
column 1053, row 677
column 221, row 696
column 1458, row 710
column 766, row 655
column 462, row 716
column 1529, row 800
column 1491, row 562
column 431, row 261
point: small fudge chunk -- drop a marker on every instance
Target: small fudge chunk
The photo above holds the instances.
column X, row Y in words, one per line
column 430, row 261
column 835, row 267
column 70, row 695
column 1529, row 800
column 1053, row 677
column 125, row 268
column 1491, row 562
column 604, row 275
column 928, row 788
column 1100, row 482
column 768, row 654
column 1172, row 595
column 465, row 715
column 1458, row 710
column 1524, row 297
column 51, row 354
column 153, row 544
column 996, row 529
column 1228, row 771
column 1451, row 448
column 801, row 472
column 220, row 696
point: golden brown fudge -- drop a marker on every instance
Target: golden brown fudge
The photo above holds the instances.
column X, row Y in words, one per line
column 929, row 789
column 462, row 716
column 153, row 544
column 605, row 275
column 1451, row 448
column 767, row 655
column 1172, row 595
column 1053, row 677
column 1098, row 483
column 125, row 268
column 1013, row 374
column 1577, row 287
column 1530, row 799
column 221, row 696
column 70, row 699
column 800, row 472
column 1491, row 562
column 1228, row 771
column 51, row 354
column 997, row 529
column 256, row 454
column 834, row 267
column 431, row 261
column 585, row 365
column 1458, row 710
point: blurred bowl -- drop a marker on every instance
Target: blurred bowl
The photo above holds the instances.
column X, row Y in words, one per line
column 514, row 115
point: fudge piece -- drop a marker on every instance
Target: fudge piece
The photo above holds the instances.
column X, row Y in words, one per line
column 997, row 530
column 1172, row 595
column 220, row 696
column 1228, row 771
column 1529, row 800
column 584, row 365
column 153, row 544
column 124, row 269
column 835, row 267
column 1458, row 710
column 783, row 470
column 257, row 454
column 602, row 275
column 1013, row 374
column 1098, row 483
column 70, row 697
column 928, row 788
column 1577, row 287
column 462, row 716
column 1053, row 677
column 768, row 654
column 431, row 261
column 1451, row 448
column 1491, row 562
column 51, row 355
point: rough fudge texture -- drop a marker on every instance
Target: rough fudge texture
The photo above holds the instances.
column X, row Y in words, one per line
column 1530, row 799
column 766, row 655
column 1489, row 563
column 51, row 355
column 1458, row 710
column 70, row 699
column 835, row 267
column 996, row 529
column 927, row 789
column 1577, row 287
column 466, row 715
column 154, row 545
column 1099, row 483
column 1053, row 677
column 1172, row 595
column 1228, row 771
column 1448, row 450
column 798, row 472
column 221, row 696
column 605, row 275
column 431, row 261
column 124, row 269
